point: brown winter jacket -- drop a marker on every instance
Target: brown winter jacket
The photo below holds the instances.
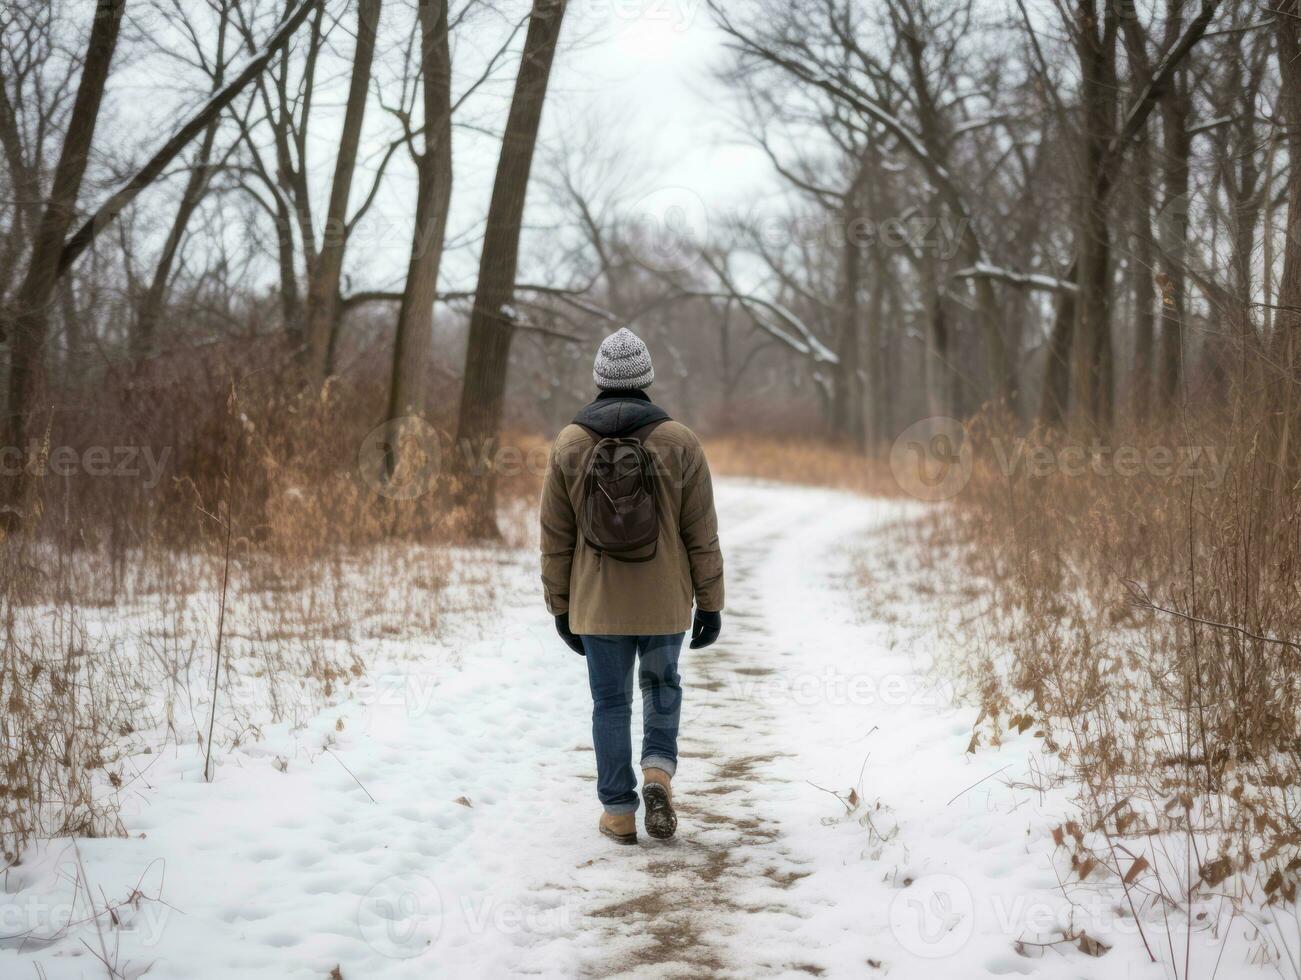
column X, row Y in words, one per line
column 604, row 596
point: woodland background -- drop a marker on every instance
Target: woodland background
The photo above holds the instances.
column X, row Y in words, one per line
column 314, row 252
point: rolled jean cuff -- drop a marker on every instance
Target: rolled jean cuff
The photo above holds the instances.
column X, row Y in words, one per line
column 618, row 809
column 659, row 762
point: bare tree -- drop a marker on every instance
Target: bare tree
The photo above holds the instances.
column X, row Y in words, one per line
column 287, row 100
column 145, row 176
column 1286, row 343
column 492, row 320
column 1288, row 32
column 1142, row 195
column 414, row 336
column 1104, row 171
column 1176, row 109
column 35, row 88
column 33, row 299
column 1095, row 40
column 327, row 272
column 201, row 170
column 824, row 51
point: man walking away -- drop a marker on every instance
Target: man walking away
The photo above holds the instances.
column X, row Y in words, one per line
column 629, row 541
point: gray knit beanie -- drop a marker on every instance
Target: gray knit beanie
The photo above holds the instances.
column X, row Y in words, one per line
column 623, row 362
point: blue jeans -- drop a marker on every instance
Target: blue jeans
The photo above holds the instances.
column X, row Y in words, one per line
column 610, row 662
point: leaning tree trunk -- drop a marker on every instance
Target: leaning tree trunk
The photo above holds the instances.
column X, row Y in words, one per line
column 492, row 320
column 33, row 298
column 413, row 342
column 145, row 328
column 323, row 290
column 108, row 212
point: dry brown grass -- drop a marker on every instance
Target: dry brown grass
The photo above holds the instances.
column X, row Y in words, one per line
column 807, row 461
column 112, row 591
column 1144, row 624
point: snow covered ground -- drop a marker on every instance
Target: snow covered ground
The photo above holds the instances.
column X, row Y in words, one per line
column 440, row 821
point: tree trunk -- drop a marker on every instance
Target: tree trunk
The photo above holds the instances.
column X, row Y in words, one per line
column 414, row 339
column 729, row 374
column 1092, row 355
column 492, row 320
column 1055, row 401
column 145, row 326
column 847, row 390
column 107, row 213
column 1288, row 23
column 33, row 299
column 291, row 304
column 1173, row 219
column 1144, row 287
column 323, row 290
column 1057, row 377
column 1093, row 349
column 1144, row 253
column 1002, row 368
column 874, row 366
column 946, row 386
column 26, row 184
column 72, row 335
column 1286, row 341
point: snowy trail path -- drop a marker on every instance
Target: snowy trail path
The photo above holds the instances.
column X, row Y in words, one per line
column 478, row 855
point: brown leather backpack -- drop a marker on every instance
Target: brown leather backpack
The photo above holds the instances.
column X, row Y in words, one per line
column 618, row 515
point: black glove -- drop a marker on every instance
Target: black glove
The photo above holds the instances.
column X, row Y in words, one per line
column 704, row 630
column 571, row 641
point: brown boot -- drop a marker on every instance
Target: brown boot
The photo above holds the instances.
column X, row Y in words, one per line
column 619, row 827
column 657, row 793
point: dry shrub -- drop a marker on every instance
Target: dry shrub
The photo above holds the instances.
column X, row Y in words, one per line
column 1144, row 621
column 111, row 588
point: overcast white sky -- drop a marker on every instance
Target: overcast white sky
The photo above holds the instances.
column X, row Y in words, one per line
column 633, row 99
column 651, row 69
column 634, row 79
